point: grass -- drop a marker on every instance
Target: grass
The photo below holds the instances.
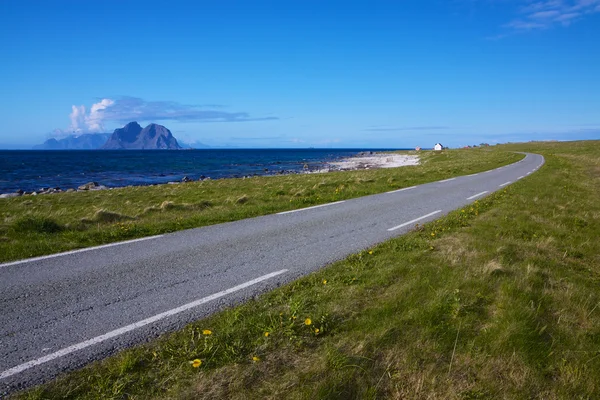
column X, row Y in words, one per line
column 32, row 226
column 496, row 300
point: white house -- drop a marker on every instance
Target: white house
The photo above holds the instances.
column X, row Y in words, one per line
column 438, row 147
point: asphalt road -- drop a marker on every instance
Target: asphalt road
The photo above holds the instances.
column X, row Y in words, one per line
column 59, row 312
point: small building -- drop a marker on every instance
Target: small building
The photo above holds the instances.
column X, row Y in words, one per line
column 418, row 148
column 438, row 147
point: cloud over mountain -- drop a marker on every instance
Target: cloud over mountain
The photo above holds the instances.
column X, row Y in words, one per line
column 125, row 108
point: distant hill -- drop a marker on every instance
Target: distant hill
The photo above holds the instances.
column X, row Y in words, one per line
column 133, row 137
column 86, row 141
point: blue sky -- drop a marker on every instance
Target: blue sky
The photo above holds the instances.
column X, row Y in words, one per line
column 303, row 73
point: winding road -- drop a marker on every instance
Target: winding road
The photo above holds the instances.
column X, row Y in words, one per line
column 59, row 312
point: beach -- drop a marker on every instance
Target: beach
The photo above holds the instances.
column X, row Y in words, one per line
column 372, row 160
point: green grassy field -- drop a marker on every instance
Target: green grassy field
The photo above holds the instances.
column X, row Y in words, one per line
column 500, row 299
column 37, row 225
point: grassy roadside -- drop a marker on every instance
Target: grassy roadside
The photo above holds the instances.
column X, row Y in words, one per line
column 33, row 226
column 498, row 300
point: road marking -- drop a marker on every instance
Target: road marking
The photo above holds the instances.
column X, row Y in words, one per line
column 402, row 190
column 506, row 183
column 310, row 208
column 128, row 328
column 477, row 195
column 414, row 220
column 521, row 177
column 448, row 180
column 66, row 253
column 473, row 174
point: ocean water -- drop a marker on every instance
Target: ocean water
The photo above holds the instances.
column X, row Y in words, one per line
column 32, row 170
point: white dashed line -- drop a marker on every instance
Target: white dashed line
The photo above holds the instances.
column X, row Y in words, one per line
column 448, row 180
column 66, row 253
column 477, row 195
column 311, row 208
column 402, row 190
column 506, row 183
column 414, row 220
column 129, row 328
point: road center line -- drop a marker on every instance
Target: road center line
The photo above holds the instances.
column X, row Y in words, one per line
column 310, row 208
column 78, row 251
column 139, row 324
column 448, row 180
column 414, row 220
column 402, row 190
column 477, row 195
column 506, row 183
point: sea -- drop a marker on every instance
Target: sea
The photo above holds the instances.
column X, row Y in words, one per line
column 32, row 170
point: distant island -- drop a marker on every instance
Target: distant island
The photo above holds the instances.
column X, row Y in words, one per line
column 131, row 137
column 87, row 141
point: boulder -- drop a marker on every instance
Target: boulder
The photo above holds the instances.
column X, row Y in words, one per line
column 88, row 186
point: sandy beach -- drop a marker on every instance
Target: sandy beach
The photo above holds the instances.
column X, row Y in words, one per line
column 373, row 161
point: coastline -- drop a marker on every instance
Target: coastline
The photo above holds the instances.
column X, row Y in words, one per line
column 362, row 161
column 373, row 160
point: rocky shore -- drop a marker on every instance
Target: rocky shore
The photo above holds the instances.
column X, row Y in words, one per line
column 362, row 161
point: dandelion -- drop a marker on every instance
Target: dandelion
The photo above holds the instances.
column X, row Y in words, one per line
column 266, row 334
column 207, row 332
column 255, row 359
column 432, row 233
column 307, row 321
column 370, row 251
column 324, row 281
column 317, row 331
column 196, row 363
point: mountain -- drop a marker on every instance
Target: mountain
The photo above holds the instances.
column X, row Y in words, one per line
column 133, row 137
column 87, row 141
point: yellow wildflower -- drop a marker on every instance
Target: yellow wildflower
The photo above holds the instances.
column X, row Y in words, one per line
column 255, row 359
column 307, row 321
column 196, row 363
column 266, row 334
column 370, row 251
column 207, row 332
column 317, row 331
column 324, row 281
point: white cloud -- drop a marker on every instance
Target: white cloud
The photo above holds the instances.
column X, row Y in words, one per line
column 77, row 117
column 94, row 119
column 549, row 13
column 88, row 122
